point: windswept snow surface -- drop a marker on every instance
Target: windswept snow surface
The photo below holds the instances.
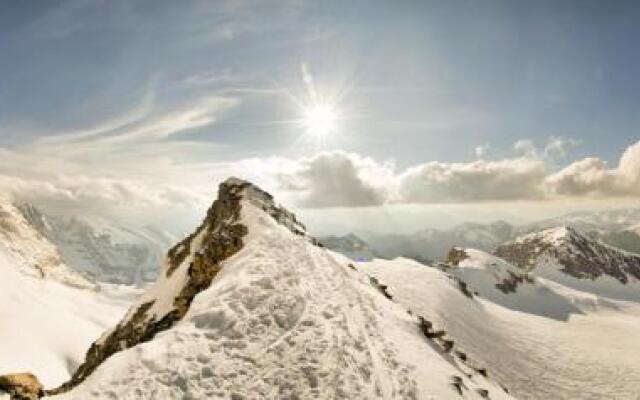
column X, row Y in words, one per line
column 592, row 354
column 46, row 326
column 285, row 319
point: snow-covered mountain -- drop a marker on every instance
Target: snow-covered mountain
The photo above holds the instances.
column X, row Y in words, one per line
column 350, row 246
column 32, row 253
column 544, row 336
column 250, row 306
column 49, row 314
column 430, row 245
column 602, row 221
column 566, row 256
column 103, row 250
column 619, row 228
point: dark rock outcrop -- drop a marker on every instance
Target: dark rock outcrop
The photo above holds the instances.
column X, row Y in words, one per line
column 510, row 284
column 23, row 386
column 455, row 256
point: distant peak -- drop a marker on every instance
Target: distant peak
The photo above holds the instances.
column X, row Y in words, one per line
column 554, row 236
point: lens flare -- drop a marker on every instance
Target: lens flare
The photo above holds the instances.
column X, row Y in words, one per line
column 320, row 120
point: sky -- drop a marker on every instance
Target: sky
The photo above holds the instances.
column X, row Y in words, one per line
column 441, row 111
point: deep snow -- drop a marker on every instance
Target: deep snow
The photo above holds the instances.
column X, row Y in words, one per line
column 47, row 326
column 592, row 354
column 285, row 319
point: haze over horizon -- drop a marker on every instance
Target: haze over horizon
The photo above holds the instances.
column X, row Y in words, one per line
column 367, row 115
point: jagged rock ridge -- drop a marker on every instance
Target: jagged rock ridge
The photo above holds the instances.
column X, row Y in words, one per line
column 578, row 255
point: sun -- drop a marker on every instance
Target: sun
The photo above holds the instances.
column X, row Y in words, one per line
column 320, row 120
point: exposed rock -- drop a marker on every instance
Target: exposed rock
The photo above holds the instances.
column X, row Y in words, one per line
column 427, row 329
column 23, row 386
column 456, row 255
column 381, row 287
column 579, row 256
column 510, row 284
column 447, row 345
column 458, row 384
column 218, row 237
column 464, row 288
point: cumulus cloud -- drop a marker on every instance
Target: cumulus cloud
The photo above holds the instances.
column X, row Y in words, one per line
column 526, row 148
column 482, row 151
column 168, row 178
column 593, row 177
column 339, row 179
column 510, row 179
column 558, row 147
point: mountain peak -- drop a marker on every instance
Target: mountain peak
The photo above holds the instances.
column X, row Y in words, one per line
column 576, row 254
column 248, row 306
column 239, row 188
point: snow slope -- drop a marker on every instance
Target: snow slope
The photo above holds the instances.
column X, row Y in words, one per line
column 33, row 253
column 566, row 256
column 46, row 326
column 283, row 319
column 588, row 352
column 103, row 250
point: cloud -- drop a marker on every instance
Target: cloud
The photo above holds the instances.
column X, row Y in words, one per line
column 593, row 177
column 509, row 179
column 482, row 151
column 629, row 166
column 339, row 179
column 109, row 198
column 589, row 176
column 526, row 148
column 558, row 147
column 144, row 124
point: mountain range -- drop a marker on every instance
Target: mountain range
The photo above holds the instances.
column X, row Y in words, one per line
column 251, row 306
column 103, row 250
column 619, row 228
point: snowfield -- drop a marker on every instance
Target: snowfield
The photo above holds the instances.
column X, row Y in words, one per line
column 546, row 341
column 285, row 319
column 47, row 326
column 49, row 314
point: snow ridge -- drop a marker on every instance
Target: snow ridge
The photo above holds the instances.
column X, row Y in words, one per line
column 283, row 319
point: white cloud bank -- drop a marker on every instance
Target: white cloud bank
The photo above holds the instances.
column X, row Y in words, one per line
column 340, row 179
column 593, row 177
column 155, row 179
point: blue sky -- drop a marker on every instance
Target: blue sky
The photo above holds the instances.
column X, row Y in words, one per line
column 198, row 87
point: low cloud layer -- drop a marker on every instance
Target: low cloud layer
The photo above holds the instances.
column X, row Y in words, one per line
column 340, row 179
column 434, row 182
